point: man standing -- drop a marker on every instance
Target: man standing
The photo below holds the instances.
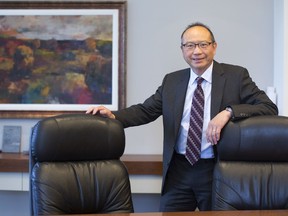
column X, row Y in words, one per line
column 203, row 97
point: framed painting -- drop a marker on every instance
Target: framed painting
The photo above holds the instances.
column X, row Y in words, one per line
column 61, row 57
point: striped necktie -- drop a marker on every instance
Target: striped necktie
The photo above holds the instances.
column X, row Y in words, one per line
column 193, row 148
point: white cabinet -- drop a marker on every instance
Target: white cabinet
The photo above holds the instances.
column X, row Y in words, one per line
column 17, row 181
column 10, row 181
column 25, row 181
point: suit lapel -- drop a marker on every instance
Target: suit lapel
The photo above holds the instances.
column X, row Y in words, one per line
column 218, row 82
column 180, row 98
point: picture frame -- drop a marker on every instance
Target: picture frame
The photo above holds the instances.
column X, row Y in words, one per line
column 61, row 57
column 11, row 142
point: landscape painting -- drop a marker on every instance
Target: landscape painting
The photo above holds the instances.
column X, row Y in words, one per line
column 59, row 60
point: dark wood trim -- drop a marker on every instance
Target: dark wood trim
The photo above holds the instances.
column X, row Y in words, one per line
column 143, row 164
column 136, row 164
column 10, row 162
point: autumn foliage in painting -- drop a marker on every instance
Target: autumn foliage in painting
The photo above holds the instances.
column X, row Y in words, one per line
column 34, row 71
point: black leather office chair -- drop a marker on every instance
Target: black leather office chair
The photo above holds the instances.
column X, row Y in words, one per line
column 75, row 166
column 252, row 170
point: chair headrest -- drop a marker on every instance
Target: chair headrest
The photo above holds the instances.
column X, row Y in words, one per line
column 260, row 138
column 77, row 137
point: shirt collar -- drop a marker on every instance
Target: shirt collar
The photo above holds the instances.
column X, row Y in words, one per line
column 207, row 75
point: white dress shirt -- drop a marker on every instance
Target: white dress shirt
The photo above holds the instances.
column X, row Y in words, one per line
column 206, row 147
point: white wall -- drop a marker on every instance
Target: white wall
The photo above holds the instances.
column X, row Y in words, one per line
column 281, row 54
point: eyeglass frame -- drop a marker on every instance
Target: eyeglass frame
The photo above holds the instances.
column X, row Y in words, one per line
column 197, row 44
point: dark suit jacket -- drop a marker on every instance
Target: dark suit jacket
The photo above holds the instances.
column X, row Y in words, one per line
column 231, row 86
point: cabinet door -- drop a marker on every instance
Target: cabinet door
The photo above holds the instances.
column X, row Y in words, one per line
column 11, row 181
column 25, row 186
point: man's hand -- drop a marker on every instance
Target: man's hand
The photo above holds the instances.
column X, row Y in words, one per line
column 215, row 126
column 103, row 111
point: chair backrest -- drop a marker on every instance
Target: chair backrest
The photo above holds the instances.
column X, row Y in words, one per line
column 75, row 166
column 252, row 168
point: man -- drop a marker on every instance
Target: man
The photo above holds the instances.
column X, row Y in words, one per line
column 229, row 93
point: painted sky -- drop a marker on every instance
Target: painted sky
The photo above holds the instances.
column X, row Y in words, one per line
column 58, row 27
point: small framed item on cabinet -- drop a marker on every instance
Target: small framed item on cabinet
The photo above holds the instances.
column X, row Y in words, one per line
column 11, row 139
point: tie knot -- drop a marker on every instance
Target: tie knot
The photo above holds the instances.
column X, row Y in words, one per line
column 199, row 80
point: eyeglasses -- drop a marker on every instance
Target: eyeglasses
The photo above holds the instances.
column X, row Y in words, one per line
column 192, row 46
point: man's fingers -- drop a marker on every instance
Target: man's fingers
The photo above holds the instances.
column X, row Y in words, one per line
column 92, row 110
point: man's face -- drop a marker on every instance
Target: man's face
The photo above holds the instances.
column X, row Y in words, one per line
column 198, row 58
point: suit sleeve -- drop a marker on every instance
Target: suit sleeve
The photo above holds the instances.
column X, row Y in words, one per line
column 142, row 113
column 253, row 101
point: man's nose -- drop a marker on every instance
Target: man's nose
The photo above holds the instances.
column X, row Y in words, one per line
column 197, row 49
